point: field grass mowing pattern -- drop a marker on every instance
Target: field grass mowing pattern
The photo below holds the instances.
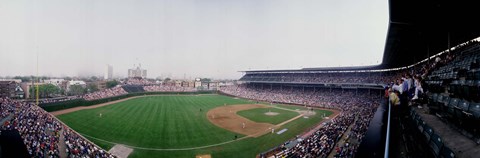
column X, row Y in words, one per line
column 152, row 121
column 175, row 122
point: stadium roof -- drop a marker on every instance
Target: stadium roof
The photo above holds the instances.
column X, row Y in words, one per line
column 420, row 29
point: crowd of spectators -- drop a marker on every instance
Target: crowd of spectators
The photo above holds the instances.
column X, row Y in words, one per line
column 41, row 131
column 403, row 90
column 168, row 88
column 106, row 93
column 354, row 77
column 76, row 146
column 6, row 108
column 60, row 99
column 357, row 109
column 385, row 77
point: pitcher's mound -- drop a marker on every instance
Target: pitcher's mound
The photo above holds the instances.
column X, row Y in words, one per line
column 271, row 113
column 203, row 156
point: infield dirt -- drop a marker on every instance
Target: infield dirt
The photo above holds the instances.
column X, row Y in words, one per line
column 226, row 117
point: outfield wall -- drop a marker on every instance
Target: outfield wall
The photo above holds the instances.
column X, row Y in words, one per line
column 49, row 107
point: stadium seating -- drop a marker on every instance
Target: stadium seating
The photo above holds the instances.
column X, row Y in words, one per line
column 461, row 112
column 321, row 77
column 451, row 107
column 444, row 106
column 427, row 132
column 421, row 124
column 436, row 144
column 446, row 152
column 474, row 120
column 437, row 105
column 474, row 91
column 133, row 88
column 433, row 141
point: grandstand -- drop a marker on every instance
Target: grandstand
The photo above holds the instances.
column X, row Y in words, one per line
column 445, row 123
column 449, row 109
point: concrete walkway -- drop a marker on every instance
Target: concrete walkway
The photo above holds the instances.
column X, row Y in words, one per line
column 342, row 140
column 460, row 144
column 62, row 146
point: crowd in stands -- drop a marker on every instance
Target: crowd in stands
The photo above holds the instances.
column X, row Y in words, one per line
column 79, row 147
column 54, row 100
column 6, row 108
column 168, row 88
column 357, row 111
column 420, row 71
column 354, row 77
column 410, row 85
column 119, row 90
column 106, row 93
column 41, row 131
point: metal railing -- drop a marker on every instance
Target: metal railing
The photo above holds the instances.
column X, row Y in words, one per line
column 387, row 140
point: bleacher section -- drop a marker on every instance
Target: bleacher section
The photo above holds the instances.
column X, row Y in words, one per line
column 448, row 122
column 133, row 88
column 454, row 96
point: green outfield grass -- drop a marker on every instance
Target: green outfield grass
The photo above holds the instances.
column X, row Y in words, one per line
column 258, row 115
column 167, row 122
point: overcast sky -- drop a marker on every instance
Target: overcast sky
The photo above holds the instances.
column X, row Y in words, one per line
column 199, row 38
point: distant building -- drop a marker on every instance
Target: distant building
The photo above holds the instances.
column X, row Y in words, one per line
column 213, row 85
column 14, row 80
column 178, row 83
column 226, row 83
column 137, row 72
column 56, row 82
column 19, row 93
column 188, row 84
column 197, row 83
column 11, row 88
column 27, row 86
column 108, row 73
column 71, row 83
column 7, row 89
column 101, row 85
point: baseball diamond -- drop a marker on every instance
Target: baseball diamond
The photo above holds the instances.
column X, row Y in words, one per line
column 185, row 125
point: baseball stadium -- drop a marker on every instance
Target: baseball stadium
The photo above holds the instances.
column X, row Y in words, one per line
column 422, row 100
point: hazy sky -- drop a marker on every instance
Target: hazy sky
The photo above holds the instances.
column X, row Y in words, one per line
column 199, row 38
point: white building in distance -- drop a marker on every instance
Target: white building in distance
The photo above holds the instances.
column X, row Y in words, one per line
column 137, row 72
column 56, row 82
column 108, row 72
column 80, row 83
